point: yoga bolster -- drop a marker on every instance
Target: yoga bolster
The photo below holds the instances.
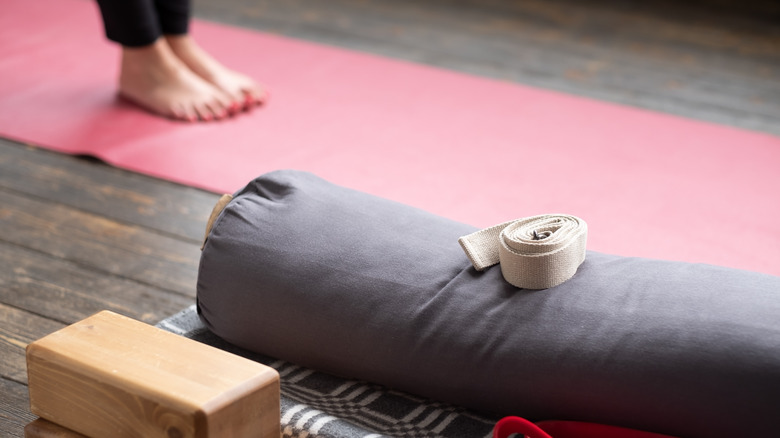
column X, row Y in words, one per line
column 365, row 288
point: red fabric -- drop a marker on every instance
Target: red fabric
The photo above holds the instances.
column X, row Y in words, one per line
column 565, row 429
column 510, row 425
column 476, row 150
column 576, row 429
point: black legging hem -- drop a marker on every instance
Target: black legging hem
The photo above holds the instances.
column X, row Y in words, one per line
column 136, row 23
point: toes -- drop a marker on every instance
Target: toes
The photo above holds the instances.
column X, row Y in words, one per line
column 183, row 112
column 203, row 111
column 254, row 96
column 223, row 106
column 190, row 116
column 232, row 104
column 217, row 109
column 207, row 107
column 190, row 113
column 238, row 101
column 247, row 98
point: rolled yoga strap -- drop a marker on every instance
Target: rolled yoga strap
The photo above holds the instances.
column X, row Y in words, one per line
column 536, row 252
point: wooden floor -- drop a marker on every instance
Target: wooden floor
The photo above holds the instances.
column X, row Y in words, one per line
column 78, row 236
column 713, row 60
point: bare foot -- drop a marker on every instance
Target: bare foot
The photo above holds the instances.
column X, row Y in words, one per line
column 155, row 78
column 242, row 90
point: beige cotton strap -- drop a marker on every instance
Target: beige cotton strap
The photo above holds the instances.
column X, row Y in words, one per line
column 536, row 252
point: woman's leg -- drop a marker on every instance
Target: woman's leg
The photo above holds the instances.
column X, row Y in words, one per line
column 151, row 74
column 131, row 23
column 174, row 16
column 174, row 21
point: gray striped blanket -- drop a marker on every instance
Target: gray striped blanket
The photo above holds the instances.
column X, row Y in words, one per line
column 315, row 404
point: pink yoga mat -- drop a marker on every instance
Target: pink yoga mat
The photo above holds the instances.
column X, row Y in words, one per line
column 476, row 150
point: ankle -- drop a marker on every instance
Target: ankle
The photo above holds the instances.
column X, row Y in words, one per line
column 155, row 56
column 181, row 45
column 188, row 51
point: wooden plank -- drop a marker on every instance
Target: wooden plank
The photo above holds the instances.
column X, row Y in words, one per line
column 41, row 428
column 19, row 328
column 109, row 375
column 67, row 292
column 115, row 193
column 14, row 408
column 97, row 242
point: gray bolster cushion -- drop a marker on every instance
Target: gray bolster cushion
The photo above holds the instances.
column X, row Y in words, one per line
column 365, row 288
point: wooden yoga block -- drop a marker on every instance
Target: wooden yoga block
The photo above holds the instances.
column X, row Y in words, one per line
column 111, row 376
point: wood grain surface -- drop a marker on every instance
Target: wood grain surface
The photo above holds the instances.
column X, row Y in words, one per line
column 41, row 428
column 109, row 375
